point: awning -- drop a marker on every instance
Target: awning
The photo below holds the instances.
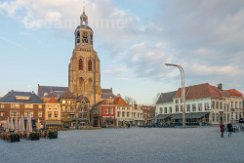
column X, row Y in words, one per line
column 176, row 116
column 196, row 115
column 162, row 116
column 190, row 115
column 53, row 123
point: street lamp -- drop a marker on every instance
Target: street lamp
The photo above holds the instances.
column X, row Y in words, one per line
column 183, row 95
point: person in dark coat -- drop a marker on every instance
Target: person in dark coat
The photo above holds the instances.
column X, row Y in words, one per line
column 222, row 130
column 230, row 129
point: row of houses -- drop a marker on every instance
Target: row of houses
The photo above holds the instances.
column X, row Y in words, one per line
column 205, row 103
column 56, row 107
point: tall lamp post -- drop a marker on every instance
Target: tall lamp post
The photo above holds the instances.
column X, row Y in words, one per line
column 183, row 95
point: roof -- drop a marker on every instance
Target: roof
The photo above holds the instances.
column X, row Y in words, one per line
column 68, row 95
column 51, row 91
column 107, row 93
column 21, row 97
column 234, row 92
column 120, row 101
column 166, row 97
column 201, row 91
column 83, row 26
column 52, row 100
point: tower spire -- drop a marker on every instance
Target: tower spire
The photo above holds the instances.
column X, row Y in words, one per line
column 84, row 6
column 83, row 17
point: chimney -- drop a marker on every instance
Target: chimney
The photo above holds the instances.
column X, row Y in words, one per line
column 220, row 86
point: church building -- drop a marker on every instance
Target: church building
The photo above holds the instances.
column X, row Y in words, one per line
column 84, row 67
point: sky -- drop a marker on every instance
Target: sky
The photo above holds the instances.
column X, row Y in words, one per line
column 133, row 38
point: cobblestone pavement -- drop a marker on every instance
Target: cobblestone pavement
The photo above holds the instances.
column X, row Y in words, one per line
column 144, row 145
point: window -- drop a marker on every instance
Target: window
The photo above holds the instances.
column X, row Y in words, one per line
column 56, row 114
column 78, row 37
column 236, row 105
column 39, row 106
column 217, row 105
column 217, row 117
column 106, row 110
column 89, row 65
column 49, row 114
column 188, row 108
column 206, row 106
column 199, row 107
column 27, row 114
column 228, row 107
column 63, row 102
column 194, row 107
column 165, row 110
column 161, row 110
column 221, row 105
column 232, row 105
column 28, row 106
column 177, row 108
column 15, row 114
column 128, row 114
column 170, row 109
column 123, row 114
column 240, row 105
column 111, row 111
column 80, row 64
column 15, row 106
column 213, row 104
column 176, row 101
column 118, row 113
column 2, row 106
column 213, row 117
column 39, row 114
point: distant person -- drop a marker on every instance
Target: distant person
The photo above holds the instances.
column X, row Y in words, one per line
column 222, row 130
column 230, row 129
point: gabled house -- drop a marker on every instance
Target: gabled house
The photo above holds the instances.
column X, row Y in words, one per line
column 204, row 103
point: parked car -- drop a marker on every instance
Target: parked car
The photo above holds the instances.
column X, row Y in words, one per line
column 241, row 120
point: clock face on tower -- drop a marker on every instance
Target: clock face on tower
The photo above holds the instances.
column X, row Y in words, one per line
column 85, row 37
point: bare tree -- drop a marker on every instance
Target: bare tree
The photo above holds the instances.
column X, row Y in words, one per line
column 130, row 100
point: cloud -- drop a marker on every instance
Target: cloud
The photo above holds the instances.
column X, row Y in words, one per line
column 206, row 37
column 116, row 71
column 214, row 70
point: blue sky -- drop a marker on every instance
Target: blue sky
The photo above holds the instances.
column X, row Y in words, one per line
column 133, row 38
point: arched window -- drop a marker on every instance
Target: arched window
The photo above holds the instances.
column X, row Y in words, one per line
column 78, row 37
column 89, row 65
column 80, row 64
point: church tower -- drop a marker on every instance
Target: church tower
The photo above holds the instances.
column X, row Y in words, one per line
column 84, row 67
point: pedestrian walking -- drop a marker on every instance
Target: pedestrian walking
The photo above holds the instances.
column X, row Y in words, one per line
column 222, row 130
column 230, row 129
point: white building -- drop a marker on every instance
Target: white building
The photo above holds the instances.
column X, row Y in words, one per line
column 204, row 103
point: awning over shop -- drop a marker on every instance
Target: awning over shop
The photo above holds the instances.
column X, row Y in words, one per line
column 53, row 123
column 196, row 115
column 162, row 116
column 190, row 115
